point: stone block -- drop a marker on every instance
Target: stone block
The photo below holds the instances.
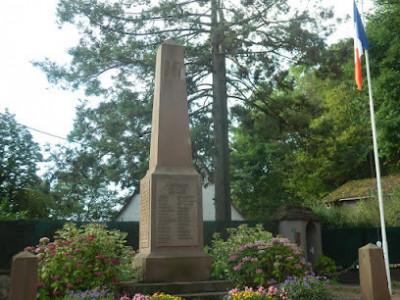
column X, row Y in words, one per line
column 373, row 279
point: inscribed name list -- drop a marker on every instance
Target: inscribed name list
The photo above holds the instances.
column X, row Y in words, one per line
column 177, row 205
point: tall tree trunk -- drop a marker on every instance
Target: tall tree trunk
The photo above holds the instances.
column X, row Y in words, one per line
column 220, row 116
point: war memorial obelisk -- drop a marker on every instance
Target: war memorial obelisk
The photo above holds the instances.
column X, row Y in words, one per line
column 171, row 219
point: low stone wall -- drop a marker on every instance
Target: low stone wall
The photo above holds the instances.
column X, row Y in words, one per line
column 5, row 282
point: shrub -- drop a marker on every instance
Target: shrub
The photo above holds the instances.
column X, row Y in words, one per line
column 294, row 288
column 309, row 287
column 221, row 250
column 81, row 259
column 267, row 262
column 325, row 266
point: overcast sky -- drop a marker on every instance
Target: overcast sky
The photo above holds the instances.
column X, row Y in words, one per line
column 29, row 32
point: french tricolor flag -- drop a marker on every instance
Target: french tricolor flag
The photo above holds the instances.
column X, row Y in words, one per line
column 360, row 45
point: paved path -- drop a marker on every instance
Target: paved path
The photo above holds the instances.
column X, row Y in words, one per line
column 352, row 292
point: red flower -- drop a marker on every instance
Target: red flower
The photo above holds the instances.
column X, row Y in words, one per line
column 77, row 250
column 90, row 238
column 55, row 293
column 89, row 266
column 116, row 280
column 99, row 256
column 98, row 273
column 56, row 277
column 79, row 281
column 40, row 284
column 116, row 262
column 69, row 286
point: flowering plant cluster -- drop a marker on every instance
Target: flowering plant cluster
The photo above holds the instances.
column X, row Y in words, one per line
column 100, row 293
column 156, row 296
column 260, row 294
column 80, row 259
column 309, row 287
column 221, row 250
column 267, row 262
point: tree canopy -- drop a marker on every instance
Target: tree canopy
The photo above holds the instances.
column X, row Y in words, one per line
column 22, row 192
column 230, row 49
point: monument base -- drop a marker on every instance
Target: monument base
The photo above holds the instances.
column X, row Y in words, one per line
column 174, row 266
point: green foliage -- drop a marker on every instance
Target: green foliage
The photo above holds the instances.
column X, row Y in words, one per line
column 81, row 258
column 22, row 194
column 267, row 262
column 221, row 250
column 325, row 266
column 365, row 213
column 114, row 60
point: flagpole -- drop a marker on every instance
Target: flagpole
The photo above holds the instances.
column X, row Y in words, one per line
column 377, row 168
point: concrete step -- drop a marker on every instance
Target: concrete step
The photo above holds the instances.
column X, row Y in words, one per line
column 212, row 289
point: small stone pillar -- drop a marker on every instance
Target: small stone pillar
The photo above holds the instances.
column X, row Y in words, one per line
column 24, row 272
column 373, row 279
column 301, row 226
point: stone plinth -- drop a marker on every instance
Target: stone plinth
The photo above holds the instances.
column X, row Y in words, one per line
column 171, row 218
column 373, row 280
column 24, row 272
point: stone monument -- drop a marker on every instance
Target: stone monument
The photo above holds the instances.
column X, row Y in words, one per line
column 171, row 223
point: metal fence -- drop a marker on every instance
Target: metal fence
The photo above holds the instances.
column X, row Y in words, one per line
column 340, row 244
column 16, row 235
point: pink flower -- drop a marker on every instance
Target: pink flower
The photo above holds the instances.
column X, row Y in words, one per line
column 90, row 238
column 116, row 280
column 89, row 266
column 116, row 262
column 56, row 277
column 69, row 286
column 77, row 250
column 124, row 298
column 233, row 258
column 273, row 290
column 297, row 266
column 40, row 284
column 255, row 259
column 289, row 258
column 79, row 261
column 98, row 256
column 85, row 245
column 79, row 281
column 29, row 249
column 259, row 271
column 52, row 254
column 238, row 267
column 246, row 259
column 55, row 293
column 98, row 273
column 44, row 240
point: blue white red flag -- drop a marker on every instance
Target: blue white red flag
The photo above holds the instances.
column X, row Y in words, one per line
column 360, row 45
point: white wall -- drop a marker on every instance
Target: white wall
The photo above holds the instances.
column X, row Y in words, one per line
column 132, row 211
